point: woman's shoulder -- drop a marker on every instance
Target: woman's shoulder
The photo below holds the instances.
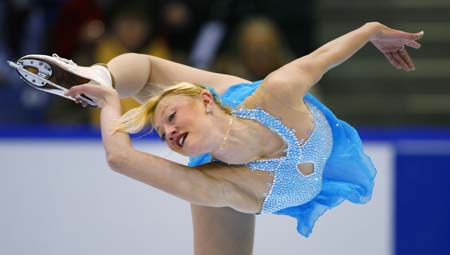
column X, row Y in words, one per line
column 236, row 94
column 273, row 100
column 251, row 94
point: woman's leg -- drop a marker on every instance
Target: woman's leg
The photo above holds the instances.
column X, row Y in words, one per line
column 222, row 231
column 130, row 73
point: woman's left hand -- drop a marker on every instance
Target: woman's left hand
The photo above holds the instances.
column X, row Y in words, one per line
column 392, row 42
column 101, row 95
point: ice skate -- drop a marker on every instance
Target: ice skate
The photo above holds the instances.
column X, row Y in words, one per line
column 56, row 75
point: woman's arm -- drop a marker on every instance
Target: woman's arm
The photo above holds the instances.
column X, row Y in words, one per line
column 297, row 77
column 186, row 183
column 205, row 185
column 136, row 75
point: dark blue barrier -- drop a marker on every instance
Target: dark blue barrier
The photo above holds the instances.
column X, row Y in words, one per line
column 56, row 132
column 422, row 211
column 89, row 132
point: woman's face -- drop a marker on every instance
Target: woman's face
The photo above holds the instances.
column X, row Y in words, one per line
column 182, row 123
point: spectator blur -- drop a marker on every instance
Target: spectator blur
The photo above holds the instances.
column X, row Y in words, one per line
column 94, row 31
column 79, row 24
column 258, row 50
column 177, row 29
column 132, row 30
column 24, row 29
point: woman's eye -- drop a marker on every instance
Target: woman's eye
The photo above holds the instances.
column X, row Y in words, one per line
column 172, row 116
column 163, row 136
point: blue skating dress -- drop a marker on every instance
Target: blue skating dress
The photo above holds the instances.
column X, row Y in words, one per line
column 342, row 171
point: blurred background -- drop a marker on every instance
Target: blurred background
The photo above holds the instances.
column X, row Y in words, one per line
column 407, row 114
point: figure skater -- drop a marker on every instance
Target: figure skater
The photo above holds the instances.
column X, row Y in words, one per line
column 256, row 147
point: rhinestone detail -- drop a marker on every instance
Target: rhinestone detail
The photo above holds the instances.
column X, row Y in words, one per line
column 290, row 187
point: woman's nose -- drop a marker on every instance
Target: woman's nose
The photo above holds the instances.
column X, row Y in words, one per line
column 171, row 134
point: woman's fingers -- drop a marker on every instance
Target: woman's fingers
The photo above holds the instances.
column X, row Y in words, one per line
column 392, row 44
column 99, row 94
column 78, row 100
column 76, row 90
column 393, row 33
column 405, row 38
column 413, row 36
column 413, row 44
column 401, row 61
column 407, row 59
column 417, row 36
column 410, row 39
column 392, row 60
column 92, row 91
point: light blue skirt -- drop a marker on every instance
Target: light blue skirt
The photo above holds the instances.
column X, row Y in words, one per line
column 348, row 174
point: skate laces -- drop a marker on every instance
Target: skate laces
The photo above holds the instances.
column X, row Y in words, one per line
column 65, row 60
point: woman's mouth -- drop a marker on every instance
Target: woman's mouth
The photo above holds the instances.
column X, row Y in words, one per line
column 180, row 139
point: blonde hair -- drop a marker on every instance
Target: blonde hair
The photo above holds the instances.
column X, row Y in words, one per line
column 135, row 119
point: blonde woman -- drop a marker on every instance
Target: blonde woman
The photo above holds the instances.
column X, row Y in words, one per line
column 255, row 147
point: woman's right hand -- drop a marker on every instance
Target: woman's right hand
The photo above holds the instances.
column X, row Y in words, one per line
column 392, row 42
column 101, row 95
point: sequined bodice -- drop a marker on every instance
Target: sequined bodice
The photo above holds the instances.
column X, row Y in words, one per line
column 290, row 187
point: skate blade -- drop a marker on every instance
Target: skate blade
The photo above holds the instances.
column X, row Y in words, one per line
column 38, row 80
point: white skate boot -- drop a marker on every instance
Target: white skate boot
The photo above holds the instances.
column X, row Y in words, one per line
column 56, row 75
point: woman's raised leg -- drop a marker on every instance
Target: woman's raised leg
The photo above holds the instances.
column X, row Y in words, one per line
column 130, row 74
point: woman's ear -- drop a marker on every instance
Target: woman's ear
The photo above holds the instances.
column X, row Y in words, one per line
column 207, row 98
